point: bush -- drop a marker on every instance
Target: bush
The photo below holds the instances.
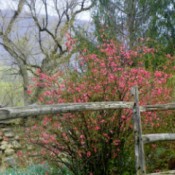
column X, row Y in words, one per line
column 98, row 143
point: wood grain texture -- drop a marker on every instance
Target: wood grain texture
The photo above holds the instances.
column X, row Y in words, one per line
column 149, row 138
column 22, row 112
column 158, row 107
column 139, row 146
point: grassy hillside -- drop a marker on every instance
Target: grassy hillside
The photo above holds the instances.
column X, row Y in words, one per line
column 10, row 87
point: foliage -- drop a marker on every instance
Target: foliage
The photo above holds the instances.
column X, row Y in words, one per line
column 159, row 156
column 161, row 23
column 104, row 17
column 128, row 20
column 98, row 142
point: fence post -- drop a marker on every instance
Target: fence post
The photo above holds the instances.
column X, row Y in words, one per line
column 139, row 147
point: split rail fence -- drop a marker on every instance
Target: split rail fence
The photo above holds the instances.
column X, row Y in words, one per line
column 8, row 113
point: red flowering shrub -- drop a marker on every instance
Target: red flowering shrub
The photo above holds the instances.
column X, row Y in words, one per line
column 96, row 142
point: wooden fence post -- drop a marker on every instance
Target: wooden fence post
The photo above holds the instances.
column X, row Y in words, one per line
column 139, row 147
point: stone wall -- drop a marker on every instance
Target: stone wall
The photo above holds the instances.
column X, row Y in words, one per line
column 14, row 140
column 9, row 145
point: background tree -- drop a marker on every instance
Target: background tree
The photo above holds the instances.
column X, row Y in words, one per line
column 41, row 44
column 123, row 19
column 161, row 23
column 129, row 20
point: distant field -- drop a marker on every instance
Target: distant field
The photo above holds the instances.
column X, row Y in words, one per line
column 10, row 87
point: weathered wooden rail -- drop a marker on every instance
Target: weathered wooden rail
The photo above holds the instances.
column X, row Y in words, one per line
column 158, row 107
column 164, row 173
column 8, row 113
column 34, row 110
column 149, row 138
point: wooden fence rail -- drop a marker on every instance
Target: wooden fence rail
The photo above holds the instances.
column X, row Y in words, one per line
column 164, row 173
column 158, row 107
column 22, row 112
column 149, row 138
column 34, row 110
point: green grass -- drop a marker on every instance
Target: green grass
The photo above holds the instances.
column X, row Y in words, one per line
column 31, row 170
column 10, row 94
column 36, row 170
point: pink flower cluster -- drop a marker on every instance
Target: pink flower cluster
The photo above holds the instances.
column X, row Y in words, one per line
column 106, row 76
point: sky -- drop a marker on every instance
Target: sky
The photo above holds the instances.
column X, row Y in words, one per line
column 84, row 16
column 9, row 4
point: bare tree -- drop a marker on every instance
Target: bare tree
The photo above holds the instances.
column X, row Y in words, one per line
column 41, row 43
column 9, row 45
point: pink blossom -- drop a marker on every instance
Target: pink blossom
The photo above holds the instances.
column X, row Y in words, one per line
column 88, row 154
